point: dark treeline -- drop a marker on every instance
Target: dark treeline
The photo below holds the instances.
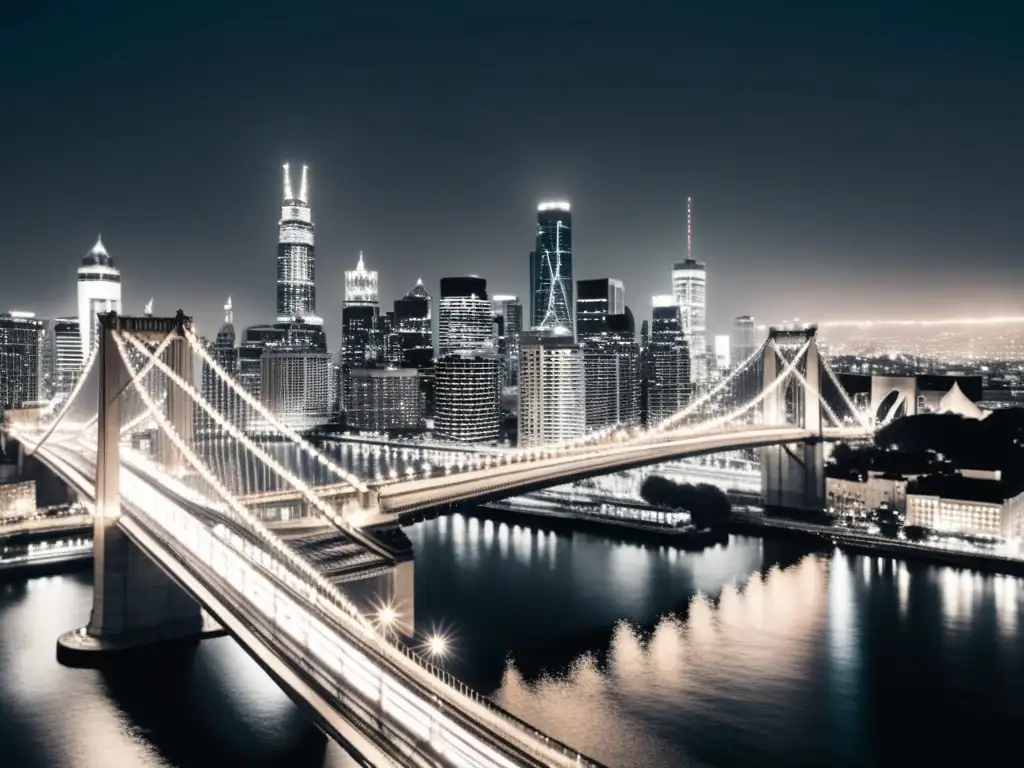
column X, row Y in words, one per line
column 914, row 445
column 709, row 507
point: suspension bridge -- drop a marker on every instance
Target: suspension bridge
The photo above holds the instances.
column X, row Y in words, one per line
column 178, row 538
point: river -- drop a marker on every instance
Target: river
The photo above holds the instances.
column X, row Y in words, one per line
column 758, row 652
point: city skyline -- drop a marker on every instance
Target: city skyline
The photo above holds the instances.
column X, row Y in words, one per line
column 895, row 158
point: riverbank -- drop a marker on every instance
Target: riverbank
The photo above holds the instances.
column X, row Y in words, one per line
column 749, row 524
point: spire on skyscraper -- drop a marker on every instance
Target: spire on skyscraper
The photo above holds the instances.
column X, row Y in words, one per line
column 148, row 309
column 287, row 183
column 229, row 315
column 304, row 187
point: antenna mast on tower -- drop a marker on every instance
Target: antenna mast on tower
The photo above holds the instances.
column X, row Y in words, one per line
column 689, row 227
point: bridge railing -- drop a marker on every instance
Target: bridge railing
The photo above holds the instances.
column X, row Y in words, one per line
column 185, row 530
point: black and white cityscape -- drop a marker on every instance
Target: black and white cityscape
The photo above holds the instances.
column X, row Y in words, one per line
column 543, row 386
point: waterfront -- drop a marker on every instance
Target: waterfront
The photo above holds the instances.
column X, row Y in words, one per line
column 756, row 653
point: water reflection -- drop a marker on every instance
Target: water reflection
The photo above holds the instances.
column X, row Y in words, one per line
column 755, row 653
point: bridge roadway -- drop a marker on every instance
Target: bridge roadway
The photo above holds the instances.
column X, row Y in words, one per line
column 517, row 478
column 360, row 688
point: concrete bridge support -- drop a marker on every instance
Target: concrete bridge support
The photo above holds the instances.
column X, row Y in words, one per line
column 793, row 475
column 134, row 602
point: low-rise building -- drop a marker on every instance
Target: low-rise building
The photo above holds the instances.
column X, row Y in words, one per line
column 856, row 497
column 384, row 399
column 969, row 506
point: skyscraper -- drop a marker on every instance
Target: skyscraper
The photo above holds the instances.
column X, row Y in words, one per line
column 512, row 309
column 689, row 287
column 21, row 351
column 669, row 387
column 296, row 272
column 99, row 291
column 217, row 391
column 611, row 364
column 66, row 357
column 295, row 386
column 468, row 396
column 551, row 286
column 360, row 313
column 384, row 400
column 414, row 324
column 595, row 301
column 742, row 341
column 551, row 388
column 463, row 315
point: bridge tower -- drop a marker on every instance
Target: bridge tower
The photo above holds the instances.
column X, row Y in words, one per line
column 793, row 475
column 134, row 601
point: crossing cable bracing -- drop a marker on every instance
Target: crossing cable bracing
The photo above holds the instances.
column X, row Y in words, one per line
column 807, row 385
column 718, row 389
column 858, row 414
column 269, row 461
column 145, row 371
column 67, row 403
column 330, row 592
column 353, row 480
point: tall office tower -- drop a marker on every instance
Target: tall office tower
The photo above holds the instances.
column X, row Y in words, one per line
column 463, row 315
column 689, row 286
column 507, row 316
column 512, row 310
column 361, row 285
column 551, row 286
column 468, row 396
column 595, row 301
column 743, row 341
column 360, row 321
column 67, row 356
column 391, row 342
column 217, row 391
column 551, row 388
column 295, row 386
column 611, row 364
column 414, row 324
column 384, row 400
column 99, row 291
column 21, row 352
column 296, row 269
column 669, row 386
column 645, row 334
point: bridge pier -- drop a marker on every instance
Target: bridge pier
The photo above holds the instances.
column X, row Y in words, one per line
column 793, row 476
column 134, row 602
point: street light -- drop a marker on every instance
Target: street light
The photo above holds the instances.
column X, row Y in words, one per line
column 437, row 645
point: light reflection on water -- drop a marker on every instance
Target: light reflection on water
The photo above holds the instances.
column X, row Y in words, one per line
column 649, row 656
column 756, row 653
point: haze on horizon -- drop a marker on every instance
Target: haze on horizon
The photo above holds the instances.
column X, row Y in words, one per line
column 845, row 163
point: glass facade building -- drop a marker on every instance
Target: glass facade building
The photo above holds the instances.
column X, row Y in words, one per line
column 551, row 282
column 384, row 400
column 468, row 397
column 669, row 384
column 689, row 287
column 21, row 352
column 551, row 388
column 464, row 315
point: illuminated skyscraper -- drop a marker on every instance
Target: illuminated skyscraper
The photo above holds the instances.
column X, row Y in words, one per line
column 689, row 287
column 66, row 357
column 21, row 351
column 361, row 285
column 468, row 391
column 99, row 291
column 551, row 388
column 668, row 387
column 463, row 315
column 743, row 341
column 296, row 272
column 551, row 286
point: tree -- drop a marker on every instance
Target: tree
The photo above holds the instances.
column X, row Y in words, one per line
column 708, row 505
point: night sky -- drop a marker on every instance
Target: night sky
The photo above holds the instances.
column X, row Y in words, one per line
column 843, row 161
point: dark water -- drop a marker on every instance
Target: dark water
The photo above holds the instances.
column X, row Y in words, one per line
column 758, row 653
